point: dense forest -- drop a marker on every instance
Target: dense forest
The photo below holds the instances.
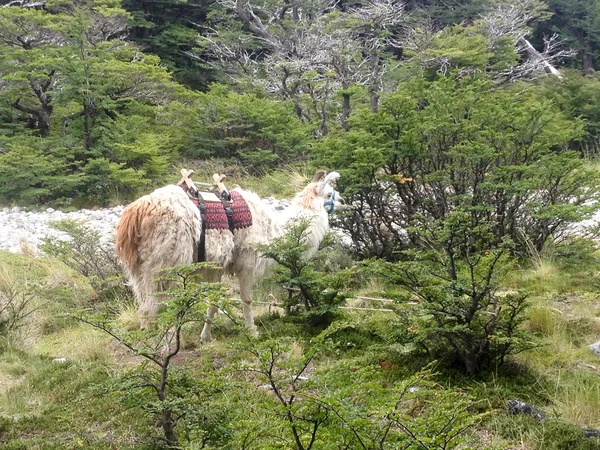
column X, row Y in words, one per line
column 98, row 99
column 466, row 134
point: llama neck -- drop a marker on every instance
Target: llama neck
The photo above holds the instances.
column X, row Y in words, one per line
column 313, row 210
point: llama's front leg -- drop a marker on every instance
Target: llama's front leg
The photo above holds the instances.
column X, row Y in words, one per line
column 206, row 335
column 246, row 294
column 210, row 276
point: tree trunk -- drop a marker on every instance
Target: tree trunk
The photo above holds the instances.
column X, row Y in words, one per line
column 374, row 101
column 40, row 117
column 345, row 111
column 44, row 123
column 588, row 63
column 168, row 428
column 375, row 75
column 87, row 124
column 298, row 110
column 472, row 365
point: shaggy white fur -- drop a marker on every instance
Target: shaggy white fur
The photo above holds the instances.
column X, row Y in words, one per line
column 162, row 230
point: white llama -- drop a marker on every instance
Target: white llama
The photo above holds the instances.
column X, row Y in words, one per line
column 162, row 229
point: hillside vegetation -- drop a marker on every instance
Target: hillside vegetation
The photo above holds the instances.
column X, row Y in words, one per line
column 338, row 379
column 100, row 100
column 466, row 136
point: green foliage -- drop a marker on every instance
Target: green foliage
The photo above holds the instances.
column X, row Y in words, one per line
column 459, row 47
column 166, row 394
column 83, row 251
column 319, row 292
column 106, row 180
column 258, row 132
column 457, row 281
column 434, row 146
column 578, row 97
column 29, row 175
column 67, row 77
column 169, row 29
column 356, row 379
column 347, row 402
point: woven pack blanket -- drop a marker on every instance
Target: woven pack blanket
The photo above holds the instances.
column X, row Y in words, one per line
column 216, row 218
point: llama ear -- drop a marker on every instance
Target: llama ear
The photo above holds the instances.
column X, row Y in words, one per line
column 318, row 176
column 331, row 178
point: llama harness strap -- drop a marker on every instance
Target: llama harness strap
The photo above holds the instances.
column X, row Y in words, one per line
column 219, row 210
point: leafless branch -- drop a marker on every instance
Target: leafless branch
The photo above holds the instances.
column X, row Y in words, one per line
column 27, row 4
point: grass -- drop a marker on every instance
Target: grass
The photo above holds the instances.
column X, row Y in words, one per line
column 77, row 343
column 545, row 321
column 52, row 404
column 564, row 317
column 578, row 400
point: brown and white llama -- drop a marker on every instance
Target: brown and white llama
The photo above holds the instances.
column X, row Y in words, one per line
column 162, row 229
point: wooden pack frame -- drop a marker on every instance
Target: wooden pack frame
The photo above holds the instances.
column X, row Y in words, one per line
column 207, row 196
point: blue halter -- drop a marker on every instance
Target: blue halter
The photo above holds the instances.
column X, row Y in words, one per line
column 330, row 203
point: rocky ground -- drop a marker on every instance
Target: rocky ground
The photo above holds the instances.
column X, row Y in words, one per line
column 20, row 230
column 25, row 229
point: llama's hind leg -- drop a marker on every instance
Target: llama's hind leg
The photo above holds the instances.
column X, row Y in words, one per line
column 145, row 291
column 147, row 311
column 246, row 282
column 210, row 276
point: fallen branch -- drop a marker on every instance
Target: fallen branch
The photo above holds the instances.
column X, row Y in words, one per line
column 538, row 57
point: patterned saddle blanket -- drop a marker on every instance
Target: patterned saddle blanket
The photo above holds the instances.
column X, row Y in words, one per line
column 215, row 212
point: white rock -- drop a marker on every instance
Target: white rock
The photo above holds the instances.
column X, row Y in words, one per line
column 595, row 348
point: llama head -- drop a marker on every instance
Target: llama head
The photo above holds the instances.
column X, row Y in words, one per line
column 324, row 189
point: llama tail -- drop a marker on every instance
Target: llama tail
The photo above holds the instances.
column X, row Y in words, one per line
column 128, row 234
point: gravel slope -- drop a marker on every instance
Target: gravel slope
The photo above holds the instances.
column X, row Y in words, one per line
column 20, row 228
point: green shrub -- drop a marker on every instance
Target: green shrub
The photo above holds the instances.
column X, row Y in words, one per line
column 31, row 175
column 83, row 252
column 502, row 155
column 258, row 132
column 169, row 395
column 318, row 291
column 457, row 282
column 350, row 401
column 558, row 435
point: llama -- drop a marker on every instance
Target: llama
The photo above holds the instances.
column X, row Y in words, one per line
column 162, row 229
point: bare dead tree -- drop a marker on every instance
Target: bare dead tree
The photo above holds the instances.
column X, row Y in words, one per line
column 513, row 20
column 505, row 22
column 27, row 4
column 306, row 51
column 378, row 20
